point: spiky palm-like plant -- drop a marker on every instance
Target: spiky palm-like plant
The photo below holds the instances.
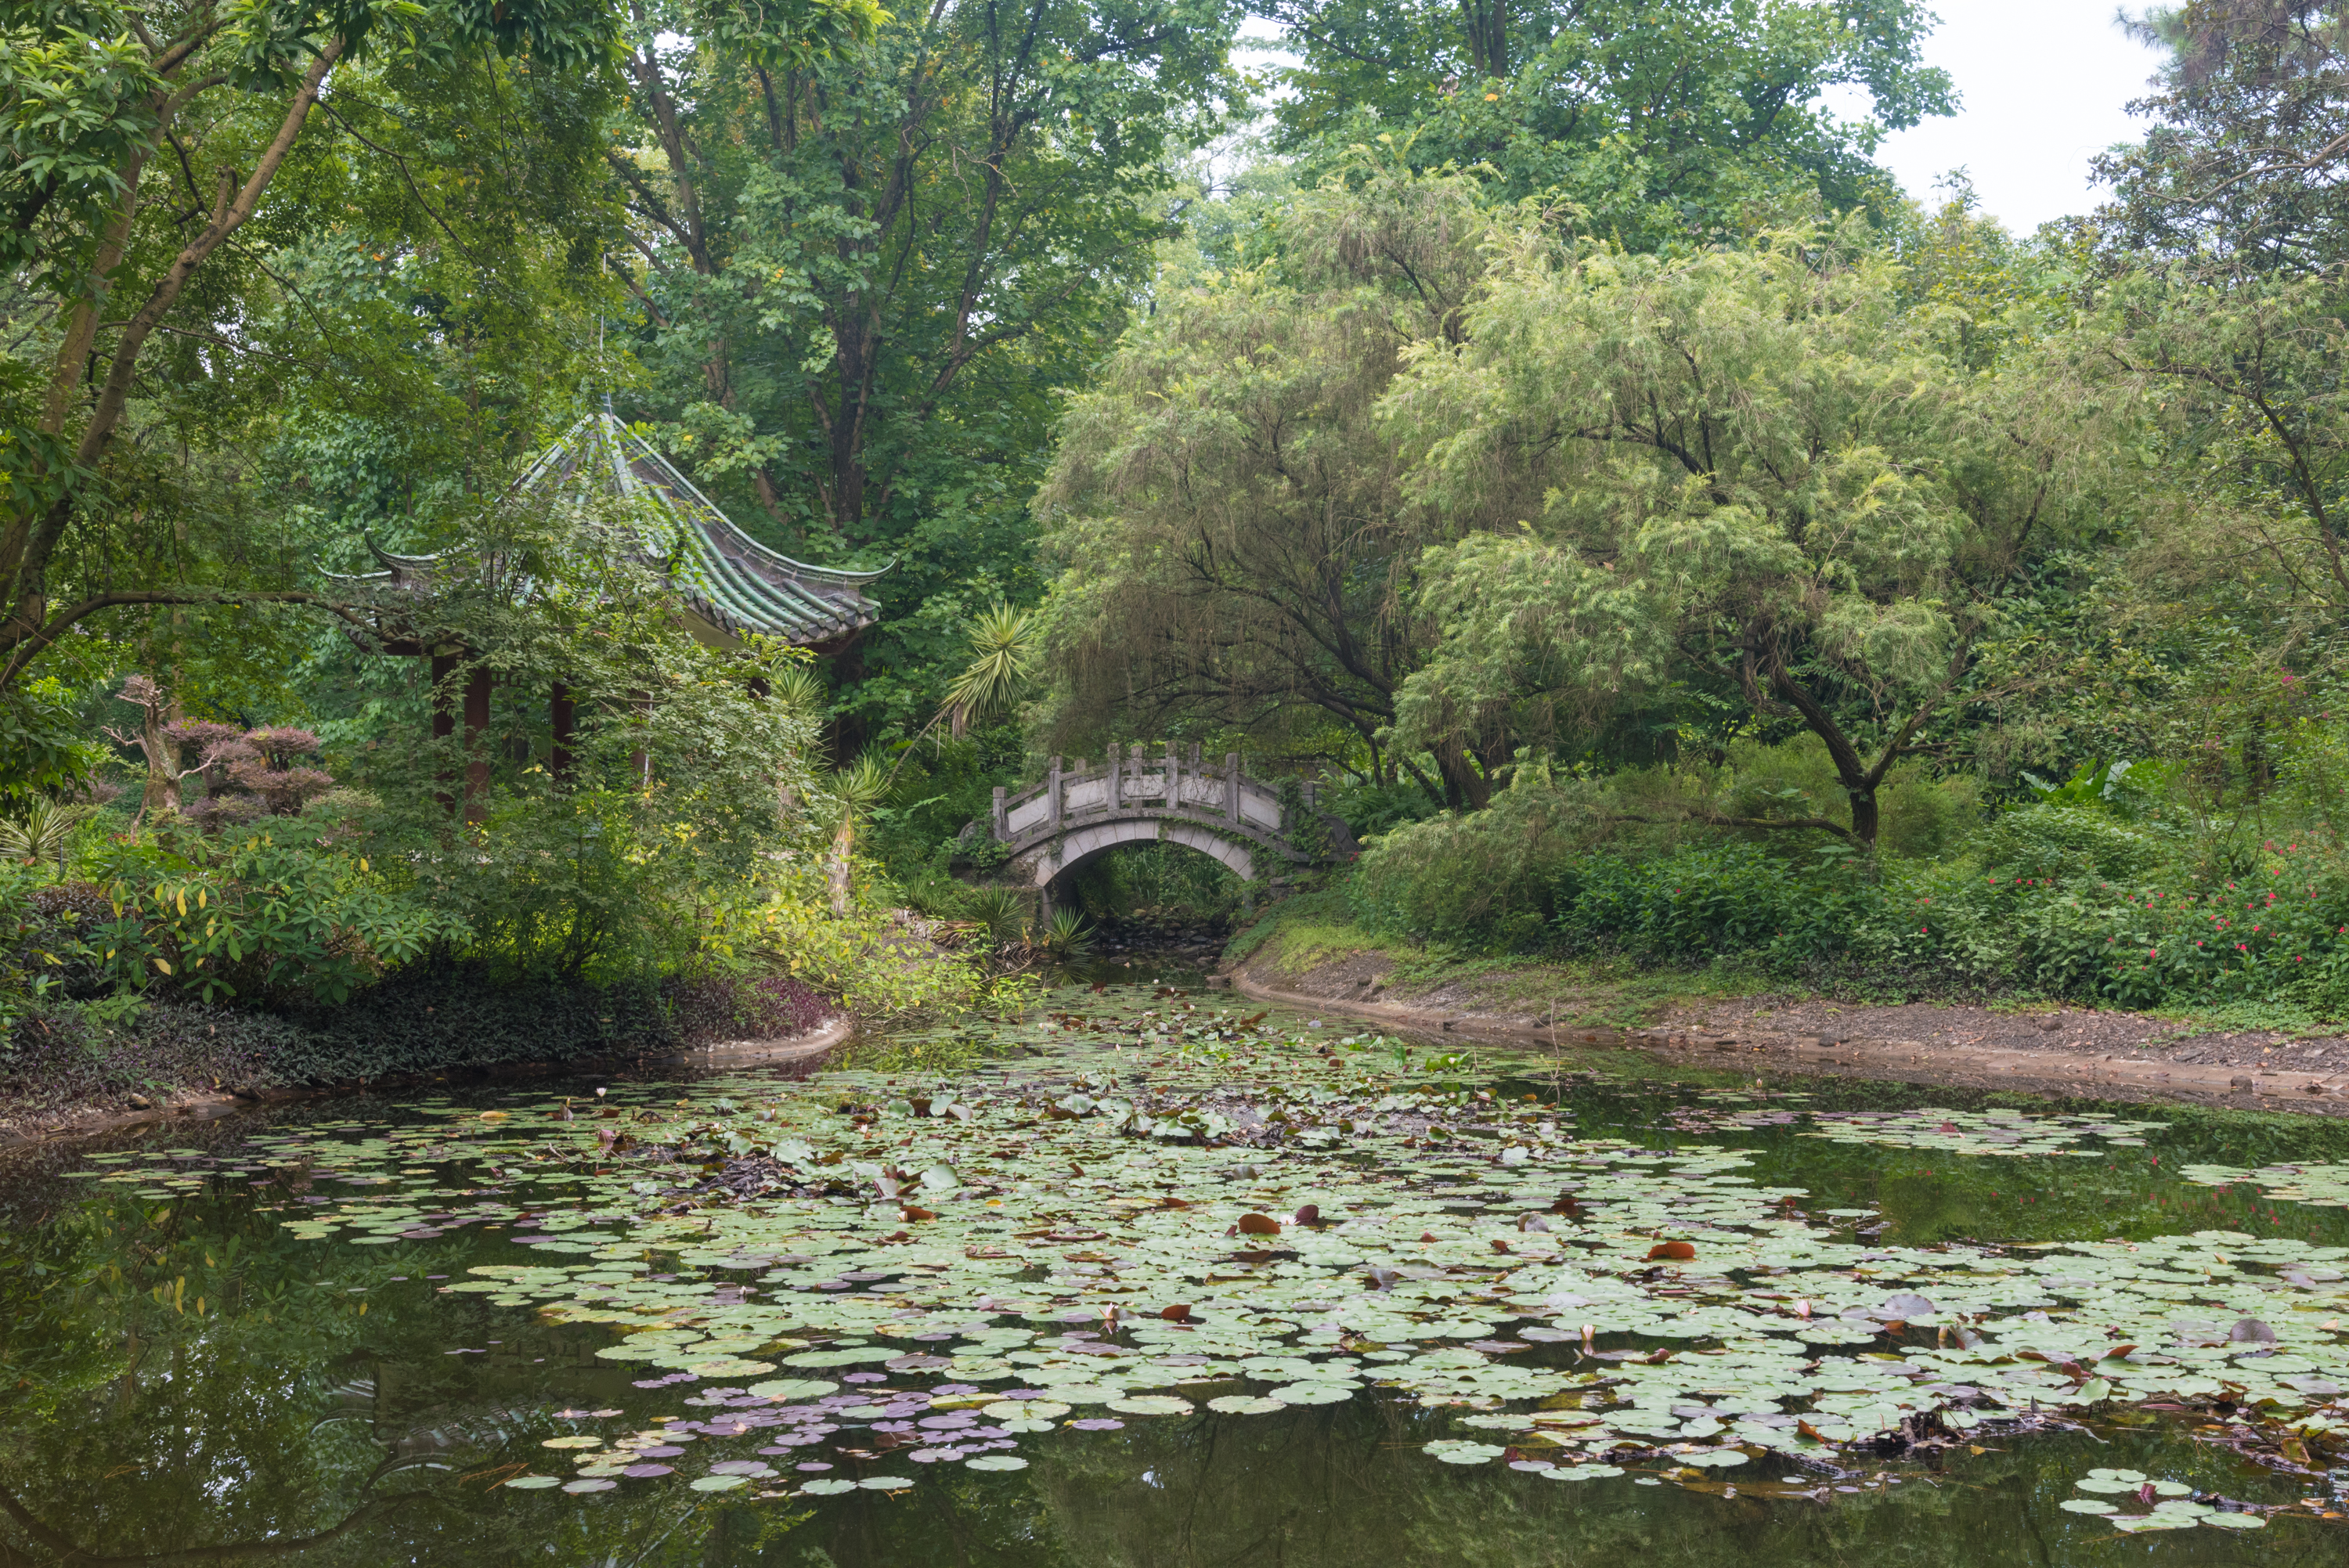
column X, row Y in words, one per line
column 1003, row 648
column 1001, row 911
column 798, row 688
column 42, row 831
column 859, row 787
column 1066, row 935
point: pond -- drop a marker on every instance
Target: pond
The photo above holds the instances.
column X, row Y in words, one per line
column 1149, row 1279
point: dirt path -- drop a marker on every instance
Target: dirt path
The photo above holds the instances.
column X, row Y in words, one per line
column 75, row 1121
column 2113, row 1056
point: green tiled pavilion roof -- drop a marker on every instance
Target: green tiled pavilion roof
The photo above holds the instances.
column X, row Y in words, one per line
column 729, row 581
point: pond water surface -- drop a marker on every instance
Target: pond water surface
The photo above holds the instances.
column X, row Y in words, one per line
column 1145, row 1280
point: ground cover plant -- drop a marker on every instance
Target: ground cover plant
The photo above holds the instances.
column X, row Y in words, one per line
column 1138, row 1206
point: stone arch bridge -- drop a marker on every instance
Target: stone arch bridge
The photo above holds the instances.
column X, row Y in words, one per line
column 1082, row 812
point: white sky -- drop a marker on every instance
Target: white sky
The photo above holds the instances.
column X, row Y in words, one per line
column 2040, row 85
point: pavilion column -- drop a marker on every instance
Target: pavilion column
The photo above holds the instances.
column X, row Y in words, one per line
column 477, row 726
column 444, row 718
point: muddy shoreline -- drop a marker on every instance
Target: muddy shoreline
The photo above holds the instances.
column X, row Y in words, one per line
column 203, row 1105
column 2054, row 1051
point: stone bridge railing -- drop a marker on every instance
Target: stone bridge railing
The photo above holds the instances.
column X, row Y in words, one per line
column 1136, row 795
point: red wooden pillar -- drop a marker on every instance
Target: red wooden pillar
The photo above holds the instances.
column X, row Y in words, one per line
column 444, row 719
column 562, row 713
column 476, row 725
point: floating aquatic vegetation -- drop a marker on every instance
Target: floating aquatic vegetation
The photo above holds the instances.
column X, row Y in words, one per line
column 2170, row 1504
column 1169, row 1209
column 2007, row 1132
column 2325, row 1186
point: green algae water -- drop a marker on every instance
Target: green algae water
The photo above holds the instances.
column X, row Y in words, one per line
column 1145, row 1280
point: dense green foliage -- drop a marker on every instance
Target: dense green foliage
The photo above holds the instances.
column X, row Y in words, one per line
column 1543, row 426
column 1693, row 600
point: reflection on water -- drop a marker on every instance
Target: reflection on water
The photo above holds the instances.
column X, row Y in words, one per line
column 182, row 1379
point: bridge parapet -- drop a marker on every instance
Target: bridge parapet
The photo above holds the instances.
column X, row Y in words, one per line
column 1134, row 779
column 1139, row 794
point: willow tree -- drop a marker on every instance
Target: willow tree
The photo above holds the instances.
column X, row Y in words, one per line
column 1229, row 512
column 1753, row 462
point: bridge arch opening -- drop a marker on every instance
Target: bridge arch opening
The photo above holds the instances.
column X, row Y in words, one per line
column 1115, row 869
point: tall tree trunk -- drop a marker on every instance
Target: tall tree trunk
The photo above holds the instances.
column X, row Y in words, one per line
column 1462, row 785
column 162, row 797
column 843, row 845
column 1863, row 813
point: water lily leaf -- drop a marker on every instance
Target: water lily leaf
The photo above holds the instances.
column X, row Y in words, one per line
column 1674, row 1250
column 718, row 1482
column 1456, row 1451
column 1259, row 1225
column 846, row 1355
column 534, row 1482
column 996, row 1463
column 1311, row 1393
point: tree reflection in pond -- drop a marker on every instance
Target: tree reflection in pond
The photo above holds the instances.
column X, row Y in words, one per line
column 185, row 1377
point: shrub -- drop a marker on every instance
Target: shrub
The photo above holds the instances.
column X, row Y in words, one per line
column 52, row 925
column 1481, row 880
column 253, row 773
column 262, row 914
column 2058, row 913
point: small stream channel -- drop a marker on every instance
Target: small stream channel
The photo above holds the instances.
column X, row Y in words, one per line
column 1154, row 1278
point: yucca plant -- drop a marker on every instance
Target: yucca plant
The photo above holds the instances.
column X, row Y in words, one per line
column 1002, row 912
column 43, row 831
column 1066, row 935
column 859, row 787
column 798, row 688
column 1002, row 649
